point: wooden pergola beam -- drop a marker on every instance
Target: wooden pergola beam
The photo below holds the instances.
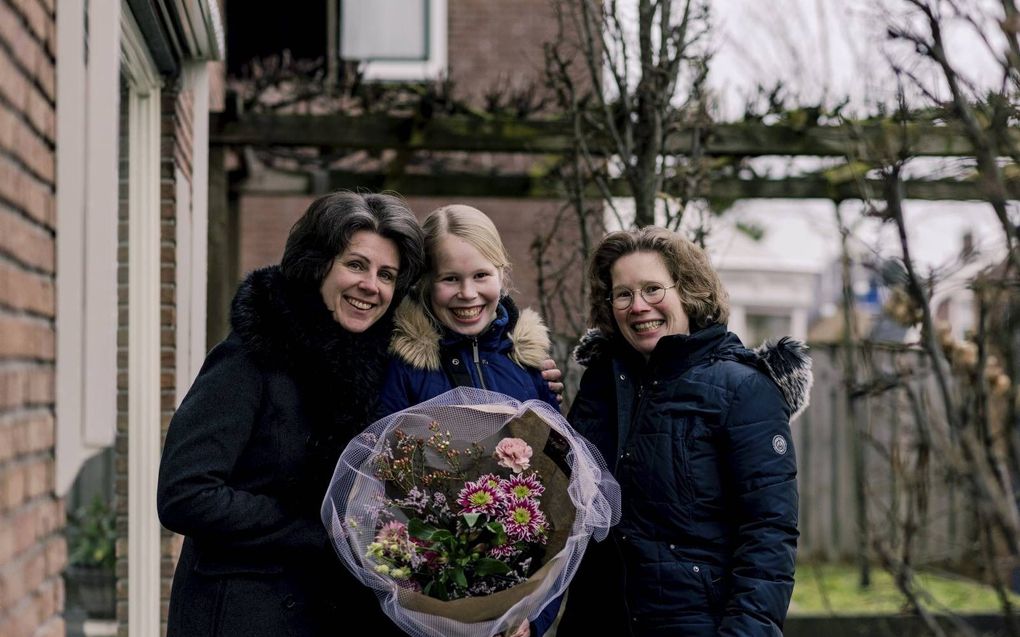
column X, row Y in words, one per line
column 871, row 141
column 527, row 187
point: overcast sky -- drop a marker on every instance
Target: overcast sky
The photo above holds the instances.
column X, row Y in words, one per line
column 825, row 50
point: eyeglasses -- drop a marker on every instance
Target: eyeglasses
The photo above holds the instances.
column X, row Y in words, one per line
column 652, row 293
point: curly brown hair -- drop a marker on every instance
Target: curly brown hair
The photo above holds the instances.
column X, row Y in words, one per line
column 702, row 295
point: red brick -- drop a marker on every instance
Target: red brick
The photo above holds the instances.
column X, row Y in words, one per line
column 29, row 48
column 13, row 485
column 56, row 555
column 35, row 15
column 26, row 145
column 26, row 386
column 36, row 433
column 25, row 241
column 29, row 195
column 26, row 290
column 25, row 97
column 6, row 444
column 7, row 541
column 26, row 338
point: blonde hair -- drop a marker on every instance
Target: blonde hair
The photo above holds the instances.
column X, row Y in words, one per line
column 471, row 225
column 701, row 292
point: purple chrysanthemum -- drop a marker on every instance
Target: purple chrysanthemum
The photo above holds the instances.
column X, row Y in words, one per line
column 522, row 486
column 479, row 498
column 523, row 520
column 503, row 551
column 490, row 479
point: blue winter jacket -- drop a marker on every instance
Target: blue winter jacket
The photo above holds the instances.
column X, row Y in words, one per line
column 698, row 437
column 428, row 360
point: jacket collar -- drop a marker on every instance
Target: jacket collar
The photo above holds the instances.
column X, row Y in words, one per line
column 786, row 361
column 418, row 341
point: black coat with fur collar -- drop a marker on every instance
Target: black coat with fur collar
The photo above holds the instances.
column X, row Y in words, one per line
column 698, row 436
column 247, row 460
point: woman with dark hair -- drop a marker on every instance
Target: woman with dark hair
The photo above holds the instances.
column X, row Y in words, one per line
column 696, row 429
column 250, row 452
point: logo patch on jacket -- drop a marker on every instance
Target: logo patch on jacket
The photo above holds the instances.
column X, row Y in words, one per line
column 779, row 444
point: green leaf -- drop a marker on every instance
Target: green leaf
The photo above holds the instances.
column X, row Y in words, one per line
column 471, row 519
column 459, row 577
column 441, row 535
column 417, row 528
column 489, row 566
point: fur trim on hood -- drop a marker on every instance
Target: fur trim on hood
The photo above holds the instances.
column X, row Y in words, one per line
column 416, row 338
column 786, row 362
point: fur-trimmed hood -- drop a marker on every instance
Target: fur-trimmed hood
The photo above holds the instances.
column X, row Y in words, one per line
column 785, row 361
column 417, row 339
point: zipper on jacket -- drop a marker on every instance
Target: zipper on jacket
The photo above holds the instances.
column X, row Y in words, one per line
column 478, row 362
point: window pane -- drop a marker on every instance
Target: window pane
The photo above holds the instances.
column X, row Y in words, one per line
column 765, row 326
column 384, row 29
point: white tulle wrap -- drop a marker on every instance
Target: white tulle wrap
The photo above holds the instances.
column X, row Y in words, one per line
column 582, row 500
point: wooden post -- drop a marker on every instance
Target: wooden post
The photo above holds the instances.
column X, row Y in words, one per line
column 223, row 248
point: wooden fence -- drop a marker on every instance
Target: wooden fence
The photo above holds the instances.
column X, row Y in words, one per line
column 894, row 467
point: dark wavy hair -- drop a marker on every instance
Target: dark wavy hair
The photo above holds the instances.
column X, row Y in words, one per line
column 326, row 228
column 702, row 295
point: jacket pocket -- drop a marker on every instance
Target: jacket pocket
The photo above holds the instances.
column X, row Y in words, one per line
column 682, row 474
column 704, row 462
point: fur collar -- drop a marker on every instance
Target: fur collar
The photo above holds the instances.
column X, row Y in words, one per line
column 786, row 362
column 417, row 339
column 289, row 329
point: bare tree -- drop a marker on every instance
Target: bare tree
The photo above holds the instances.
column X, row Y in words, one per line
column 627, row 76
column 970, row 427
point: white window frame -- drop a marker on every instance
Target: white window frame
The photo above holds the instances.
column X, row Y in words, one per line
column 87, row 203
column 433, row 67
column 192, row 238
column 193, row 243
column 143, row 95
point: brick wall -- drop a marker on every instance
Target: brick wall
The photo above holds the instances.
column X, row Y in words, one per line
column 266, row 220
column 497, row 43
column 121, row 440
column 175, row 164
column 33, row 552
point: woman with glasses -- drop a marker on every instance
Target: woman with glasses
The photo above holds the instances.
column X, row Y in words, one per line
column 696, row 429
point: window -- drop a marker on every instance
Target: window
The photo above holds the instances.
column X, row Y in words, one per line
column 762, row 325
column 395, row 39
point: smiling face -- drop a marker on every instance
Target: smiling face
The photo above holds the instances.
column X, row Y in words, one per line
column 360, row 284
column 465, row 287
column 643, row 324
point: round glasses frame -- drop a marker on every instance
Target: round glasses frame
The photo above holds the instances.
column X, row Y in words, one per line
column 652, row 293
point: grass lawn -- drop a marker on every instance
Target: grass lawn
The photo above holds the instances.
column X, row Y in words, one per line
column 831, row 589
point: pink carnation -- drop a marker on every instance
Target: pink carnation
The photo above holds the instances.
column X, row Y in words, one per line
column 513, row 453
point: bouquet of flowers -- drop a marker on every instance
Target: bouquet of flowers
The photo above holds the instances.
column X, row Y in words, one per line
column 468, row 513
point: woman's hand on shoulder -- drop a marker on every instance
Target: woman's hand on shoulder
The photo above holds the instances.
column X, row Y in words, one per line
column 552, row 375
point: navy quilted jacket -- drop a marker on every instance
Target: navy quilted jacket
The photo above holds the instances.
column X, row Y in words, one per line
column 699, row 440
